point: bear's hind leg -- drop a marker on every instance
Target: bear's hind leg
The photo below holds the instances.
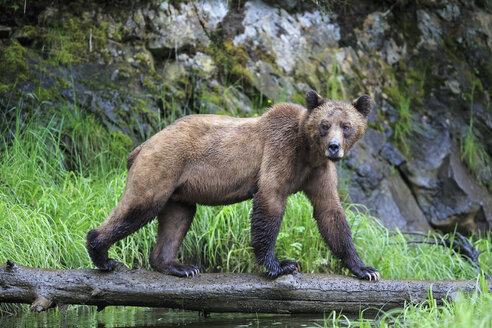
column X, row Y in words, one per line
column 127, row 217
column 174, row 221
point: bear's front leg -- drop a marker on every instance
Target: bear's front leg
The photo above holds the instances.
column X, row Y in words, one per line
column 321, row 190
column 335, row 231
column 268, row 210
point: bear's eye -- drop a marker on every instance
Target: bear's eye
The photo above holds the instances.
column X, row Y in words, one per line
column 346, row 128
column 325, row 127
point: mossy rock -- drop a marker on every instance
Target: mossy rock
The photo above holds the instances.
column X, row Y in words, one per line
column 14, row 65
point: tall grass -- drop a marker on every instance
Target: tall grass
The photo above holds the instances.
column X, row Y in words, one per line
column 465, row 310
column 472, row 151
column 472, row 310
column 334, row 83
column 48, row 203
column 403, row 125
column 59, row 180
column 44, row 205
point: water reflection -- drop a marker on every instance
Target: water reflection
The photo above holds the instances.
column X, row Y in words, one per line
column 84, row 316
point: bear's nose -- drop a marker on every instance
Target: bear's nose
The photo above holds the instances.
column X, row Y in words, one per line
column 334, row 147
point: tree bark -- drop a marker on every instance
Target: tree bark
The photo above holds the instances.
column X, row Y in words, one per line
column 217, row 292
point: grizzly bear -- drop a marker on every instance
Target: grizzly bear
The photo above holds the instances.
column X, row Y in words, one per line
column 219, row 160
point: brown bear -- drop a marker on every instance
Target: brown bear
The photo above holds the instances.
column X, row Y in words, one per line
column 219, row 160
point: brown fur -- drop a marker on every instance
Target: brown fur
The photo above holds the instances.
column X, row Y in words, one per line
column 217, row 160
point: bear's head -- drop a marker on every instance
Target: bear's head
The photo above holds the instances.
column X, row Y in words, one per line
column 333, row 127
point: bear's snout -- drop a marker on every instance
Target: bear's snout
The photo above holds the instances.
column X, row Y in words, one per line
column 333, row 148
column 334, row 151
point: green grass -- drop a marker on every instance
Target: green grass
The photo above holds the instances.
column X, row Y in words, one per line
column 403, row 125
column 334, row 85
column 473, row 152
column 60, row 180
column 465, row 311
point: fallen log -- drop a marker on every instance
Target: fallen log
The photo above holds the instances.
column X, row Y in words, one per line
column 217, row 292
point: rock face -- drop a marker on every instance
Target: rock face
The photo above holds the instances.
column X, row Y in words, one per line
column 288, row 38
column 174, row 28
column 139, row 67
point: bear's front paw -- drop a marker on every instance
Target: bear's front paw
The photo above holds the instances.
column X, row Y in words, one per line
column 285, row 267
column 176, row 268
column 367, row 273
column 108, row 265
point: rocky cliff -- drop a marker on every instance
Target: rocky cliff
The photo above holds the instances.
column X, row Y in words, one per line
column 425, row 161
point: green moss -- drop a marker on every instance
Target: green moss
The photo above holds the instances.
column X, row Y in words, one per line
column 13, row 65
column 403, row 101
column 142, row 57
column 149, row 84
column 334, row 88
column 117, row 34
column 5, row 87
column 62, row 83
column 407, row 85
column 139, row 18
column 451, row 48
column 266, row 57
column 65, row 43
column 473, row 85
column 376, row 126
column 473, row 153
column 473, row 75
column 30, row 32
column 298, row 98
column 124, row 72
column 403, row 124
column 156, row 76
column 414, row 86
column 48, row 94
column 232, row 60
column 236, row 58
column 120, row 144
column 212, row 97
column 125, row 69
column 75, row 41
column 406, row 20
column 106, row 56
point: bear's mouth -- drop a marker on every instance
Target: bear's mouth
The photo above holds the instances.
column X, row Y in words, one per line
column 334, row 157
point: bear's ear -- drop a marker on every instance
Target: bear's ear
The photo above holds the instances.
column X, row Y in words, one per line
column 313, row 100
column 363, row 105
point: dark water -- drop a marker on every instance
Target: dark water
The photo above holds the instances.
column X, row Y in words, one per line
column 83, row 316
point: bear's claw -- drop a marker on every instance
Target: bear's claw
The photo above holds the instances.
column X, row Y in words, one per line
column 373, row 275
column 367, row 273
column 178, row 269
column 192, row 273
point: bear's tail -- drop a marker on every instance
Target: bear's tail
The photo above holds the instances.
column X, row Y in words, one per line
column 133, row 156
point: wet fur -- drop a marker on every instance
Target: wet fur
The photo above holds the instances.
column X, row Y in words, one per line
column 218, row 160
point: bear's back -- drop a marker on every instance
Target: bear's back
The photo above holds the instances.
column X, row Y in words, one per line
column 219, row 157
